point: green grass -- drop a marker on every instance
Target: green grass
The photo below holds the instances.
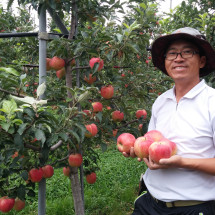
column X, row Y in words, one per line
column 113, row 193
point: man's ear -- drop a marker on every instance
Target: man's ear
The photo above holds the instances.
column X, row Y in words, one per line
column 202, row 61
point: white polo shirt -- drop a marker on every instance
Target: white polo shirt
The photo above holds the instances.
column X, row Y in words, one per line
column 190, row 123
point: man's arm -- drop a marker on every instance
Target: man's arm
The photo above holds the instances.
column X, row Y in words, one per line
column 206, row 165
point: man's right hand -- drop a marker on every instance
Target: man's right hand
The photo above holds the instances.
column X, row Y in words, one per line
column 131, row 154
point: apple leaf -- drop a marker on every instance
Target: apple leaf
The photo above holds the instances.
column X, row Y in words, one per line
column 41, row 89
column 40, row 135
column 10, row 71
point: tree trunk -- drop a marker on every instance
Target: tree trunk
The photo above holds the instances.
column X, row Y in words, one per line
column 76, row 192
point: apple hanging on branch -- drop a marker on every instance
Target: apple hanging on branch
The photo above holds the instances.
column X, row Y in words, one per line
column 95, row 60
column 107, row 92
column 97, row 107
column 57, row 63
column 6, row 204
column 92, row 130
column 91, row 178
column 75, row 160
column 117, row 116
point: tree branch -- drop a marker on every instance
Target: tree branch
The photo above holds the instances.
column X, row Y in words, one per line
column 57, row 145
column 15, row 94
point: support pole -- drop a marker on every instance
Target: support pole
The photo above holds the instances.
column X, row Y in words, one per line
column 42, row 79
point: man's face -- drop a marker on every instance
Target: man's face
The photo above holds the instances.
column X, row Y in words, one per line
column 181, row 69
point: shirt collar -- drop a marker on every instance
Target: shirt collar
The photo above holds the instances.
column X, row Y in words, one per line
column 191, row 94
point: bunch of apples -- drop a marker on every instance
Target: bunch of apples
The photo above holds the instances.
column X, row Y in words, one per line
column 7, row 204
column 152, row 144
column 36, row 174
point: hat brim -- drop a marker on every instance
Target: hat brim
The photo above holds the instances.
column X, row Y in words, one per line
column 161, row 44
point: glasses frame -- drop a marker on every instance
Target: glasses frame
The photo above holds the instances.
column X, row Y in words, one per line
column 177, row 53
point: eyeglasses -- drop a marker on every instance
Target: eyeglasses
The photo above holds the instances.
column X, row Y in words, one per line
column 171, row 55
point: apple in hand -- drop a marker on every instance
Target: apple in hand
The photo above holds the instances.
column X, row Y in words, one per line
column 6, row 204
column 125, row 141
column 172, row 145
column 48, row 171
column 141, row 147
column 159, row 150
column 19, row 204
column 75, row 160
column 91, row 178
column 154, row 135
column 107, row 91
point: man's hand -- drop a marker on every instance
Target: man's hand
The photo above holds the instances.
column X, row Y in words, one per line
column 131, row 154
column 164, row 163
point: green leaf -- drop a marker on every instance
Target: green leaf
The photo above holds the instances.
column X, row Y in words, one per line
column 119, row 37
column 22, row 128
column 17, row 121
column 2, row 118
column 5, row 126
column 64, row 136
column 40, row 135
column 126, row 25
column 74, row 134
column 24, row 175
column 18, row 141
column 11, row 71
column 143, row 6
column 9, row 107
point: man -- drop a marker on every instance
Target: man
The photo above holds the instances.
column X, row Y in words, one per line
column 185, row 183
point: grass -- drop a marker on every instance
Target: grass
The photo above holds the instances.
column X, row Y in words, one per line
column 113, row 193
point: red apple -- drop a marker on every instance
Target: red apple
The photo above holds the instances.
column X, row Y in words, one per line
column 75, row 160
column 97, row 107
column 66, row 171
column 172, row 145
column 61, row 73
column 92, row 130
column 159, row 150
column 117, row 116
column 6, row 204
column 88, row 112
column 48, row 67
column 107, row 91
column 96, row 60
column 57, row 63
column 125, row 141
column 91, row 178
column 153, row 135
column 141, row 147
column 19, row 204
column 91, row 79
column 140, row 113
column 35, row 175
column 48, row 171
